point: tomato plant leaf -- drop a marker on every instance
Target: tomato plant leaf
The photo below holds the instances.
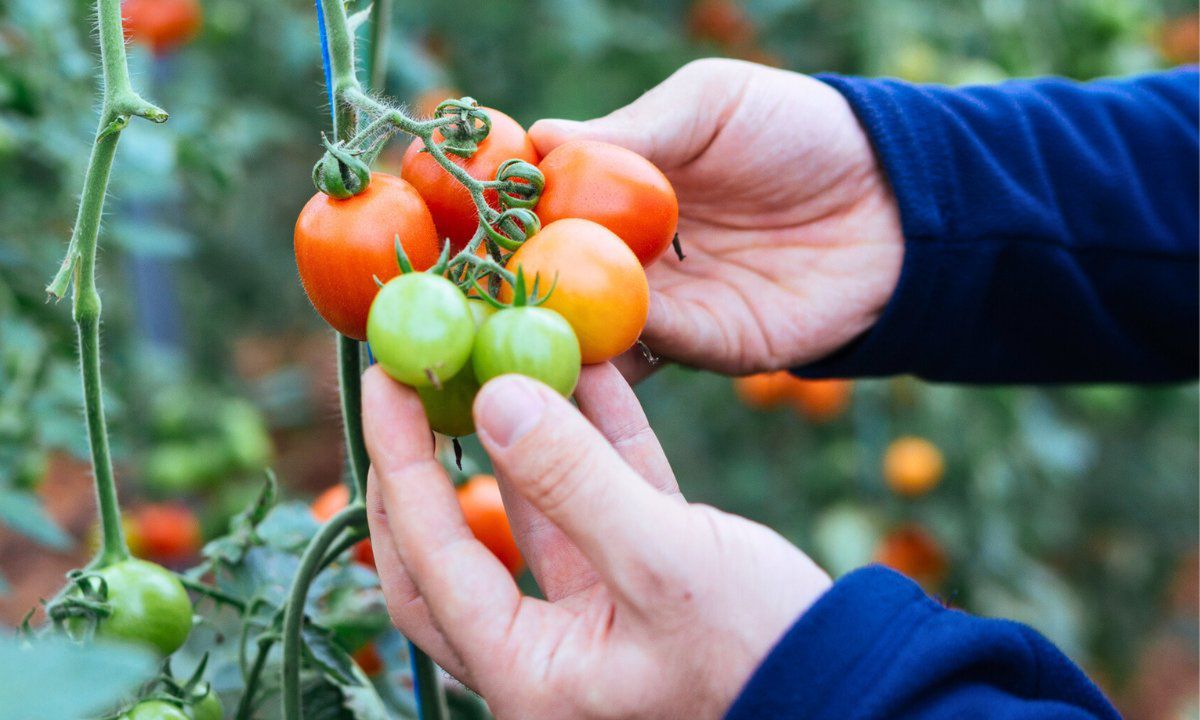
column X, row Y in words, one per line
column 57, row 678
column 22, row 512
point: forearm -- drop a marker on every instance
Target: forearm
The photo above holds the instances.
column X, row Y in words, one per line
column 1050, row 230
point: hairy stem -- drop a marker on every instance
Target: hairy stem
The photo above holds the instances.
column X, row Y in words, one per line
column 78, row 268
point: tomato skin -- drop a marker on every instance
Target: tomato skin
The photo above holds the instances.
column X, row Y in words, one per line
column 166, row 533
column 821, row 400
column 448, row 409
column 763, row 391
column 328, row 504
column 149, row 606
column 163, row 25
column 156, row 710
column 531, row 341
column 421, row 324
column 615, row 187
column 483, row 509
column 601, row 291
column 343, row 245
column 209, row 708
column 367, row 658
column 449, row 202
column 913, row 466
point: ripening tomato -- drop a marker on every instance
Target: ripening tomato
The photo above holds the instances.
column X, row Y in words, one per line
column 913, row 551
column 763, row 391
column 343, row 245
column 601, row 287
column 615, row 187
column 449, row 202
column 532, row 341
column 167, row 533
column 483, row 509
column 421, row 329
column 912, row 466
column 328, row 504
column 723, row 22
column 163, row 25
column 367, row 658
column 820, row 400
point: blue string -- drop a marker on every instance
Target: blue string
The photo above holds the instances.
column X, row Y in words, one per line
column 326, row 64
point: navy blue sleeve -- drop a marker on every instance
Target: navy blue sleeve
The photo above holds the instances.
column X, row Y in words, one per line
column 875, row 646
column 1050, row 227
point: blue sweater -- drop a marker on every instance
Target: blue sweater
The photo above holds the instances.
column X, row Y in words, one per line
column 1051, row 235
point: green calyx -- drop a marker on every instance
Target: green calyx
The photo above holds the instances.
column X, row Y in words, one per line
column 340, row 173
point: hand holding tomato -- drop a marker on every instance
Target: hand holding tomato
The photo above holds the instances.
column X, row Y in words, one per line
column 644, row 592
column 791, row 233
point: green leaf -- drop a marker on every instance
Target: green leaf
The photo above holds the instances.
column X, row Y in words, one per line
column 22, row 512
column 328, row 655
column 56, row 678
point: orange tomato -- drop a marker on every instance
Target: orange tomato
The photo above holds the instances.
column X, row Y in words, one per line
column 483, row 509
column 912, row 466
column 601, row 290
column 820, row 400
column 167, row 533
column 343, row 245
column 367, row 658
column 1179, row 40
column 449, row 202
column 328, row 504
column 615, row 187
column 913, row 551
column 163, row 25
column 763, row 391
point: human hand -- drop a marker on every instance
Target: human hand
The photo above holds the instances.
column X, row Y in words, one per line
column 790, row 229
column 654, row 608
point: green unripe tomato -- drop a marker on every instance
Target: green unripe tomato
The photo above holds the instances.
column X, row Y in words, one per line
column 209, row 708
column 156, row 710
column 532, row 341
column 449, row 409
column 148, row 606
column 420, row 325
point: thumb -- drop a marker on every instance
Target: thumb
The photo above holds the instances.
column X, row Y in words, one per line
column 554, row 458
column 670, row 125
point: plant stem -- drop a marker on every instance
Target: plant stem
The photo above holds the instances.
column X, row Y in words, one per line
column 246, row 702
column 293, row 617
column 79, row 266
column 350, row 382
column 431, row 697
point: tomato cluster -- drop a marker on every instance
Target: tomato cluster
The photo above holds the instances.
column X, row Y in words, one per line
column 550, row 277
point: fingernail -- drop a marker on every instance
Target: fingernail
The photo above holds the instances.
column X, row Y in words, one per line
column 507, row 409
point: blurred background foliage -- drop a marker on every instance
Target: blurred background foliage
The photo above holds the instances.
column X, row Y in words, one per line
column 1073, row 509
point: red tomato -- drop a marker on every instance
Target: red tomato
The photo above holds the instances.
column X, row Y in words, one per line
column 367, row 658
column 615, row 187
column 343, row 245
column 166, row 533
column 912, row 550
column 163, row 25
column 723, row 22
column 328, row 504
column 448, row 201
column 483, row 510
column 601, row 291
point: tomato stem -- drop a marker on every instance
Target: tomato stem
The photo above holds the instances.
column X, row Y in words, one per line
column 78, row 270
column 350, row 386
column 293, row 616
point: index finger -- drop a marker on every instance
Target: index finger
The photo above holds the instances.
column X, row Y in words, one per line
column 470, row 594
